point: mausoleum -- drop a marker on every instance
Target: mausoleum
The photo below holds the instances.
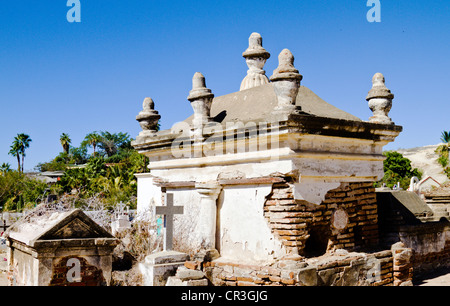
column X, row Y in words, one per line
column 255, row 168
column 271, row 172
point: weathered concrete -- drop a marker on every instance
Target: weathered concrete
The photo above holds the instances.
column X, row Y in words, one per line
column 380, row 100
column 286, row 82
column 158, row 267
column 148, row 119
column 255, row 57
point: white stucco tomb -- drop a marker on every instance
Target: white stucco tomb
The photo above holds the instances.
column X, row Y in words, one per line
column 222, row 161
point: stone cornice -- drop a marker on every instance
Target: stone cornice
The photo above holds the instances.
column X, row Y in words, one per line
column 295, row 124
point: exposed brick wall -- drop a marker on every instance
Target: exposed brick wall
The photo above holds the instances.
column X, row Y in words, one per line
column 89, row 275
column 311, row 230
column 307, row 229
column 429, row 241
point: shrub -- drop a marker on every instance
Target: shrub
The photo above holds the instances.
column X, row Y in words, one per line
column 17, row 190
column 397, row 169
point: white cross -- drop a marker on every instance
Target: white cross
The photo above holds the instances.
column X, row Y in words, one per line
column 168, row 211
column 120, row 207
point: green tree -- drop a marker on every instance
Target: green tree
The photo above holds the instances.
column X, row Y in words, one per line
column 75, row 156
column 111, row 144
column 443, row 152
column 25, row 141
column 445, row 137
column 398, row 169
column 78, row 155
column 20, row 144
column 65, row 142
column 107, row 175
column 17, row 190
column 15, row 151
column 112, row 183
column 5, row 167
column 91, row 139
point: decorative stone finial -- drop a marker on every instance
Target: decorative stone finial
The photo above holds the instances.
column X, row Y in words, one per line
column 380, row 100
column 286, row 82
column 148, row 118
column 286, row 69
column 199, row 89
column 201, row 99
column 256, row 57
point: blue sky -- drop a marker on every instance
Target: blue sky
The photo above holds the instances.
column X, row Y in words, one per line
column 60, row 77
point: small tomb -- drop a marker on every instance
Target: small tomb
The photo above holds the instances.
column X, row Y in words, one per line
column 51, row 248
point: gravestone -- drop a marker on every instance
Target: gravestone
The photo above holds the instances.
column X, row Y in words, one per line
column 121, row 219
column 158, row 267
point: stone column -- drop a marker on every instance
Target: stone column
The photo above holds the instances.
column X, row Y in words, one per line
column 201, row 99
column 286, row 83
column 256, row 57
column 380, row 100
column 209, row 192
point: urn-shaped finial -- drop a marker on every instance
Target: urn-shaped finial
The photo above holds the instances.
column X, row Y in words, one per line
column 199, row 89
column 148, row 118
column 201, row 99
column 286, row 82
column 380, row 100
column 255, row 57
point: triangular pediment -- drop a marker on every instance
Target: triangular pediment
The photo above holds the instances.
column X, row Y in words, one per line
column 75, row 229
column 74, row 224
column 77, row 225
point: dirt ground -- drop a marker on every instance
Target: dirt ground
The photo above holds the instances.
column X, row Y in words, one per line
column 3, row 280
column 439, row 278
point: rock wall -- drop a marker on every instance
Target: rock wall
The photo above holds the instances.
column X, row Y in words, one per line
column 345, row 269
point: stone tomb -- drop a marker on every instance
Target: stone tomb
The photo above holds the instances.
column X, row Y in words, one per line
column 270, row 172
column 254, row 168
column 59, row 249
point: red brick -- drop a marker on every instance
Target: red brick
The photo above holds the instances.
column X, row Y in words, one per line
column 193, row 265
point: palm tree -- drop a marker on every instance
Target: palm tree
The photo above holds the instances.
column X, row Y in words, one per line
column 24, row 141
column 443, row 149
column 5, row 167
column 65, row 142
column 15, row 151
column 20, row 144
column 91, row 139
column 112, row 143
column 445, row 137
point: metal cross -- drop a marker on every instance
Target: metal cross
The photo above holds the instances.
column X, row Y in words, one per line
column 168, row 211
